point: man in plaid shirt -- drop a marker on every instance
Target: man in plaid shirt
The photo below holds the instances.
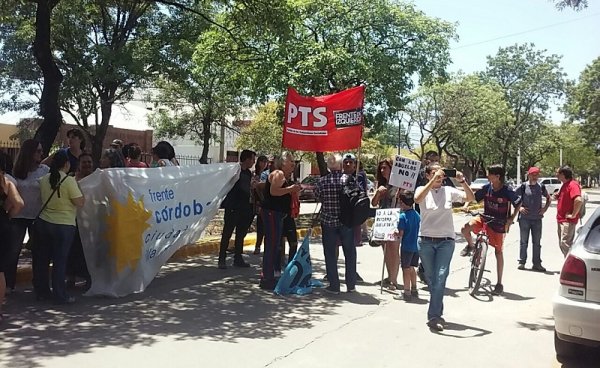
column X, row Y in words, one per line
column 328, row 192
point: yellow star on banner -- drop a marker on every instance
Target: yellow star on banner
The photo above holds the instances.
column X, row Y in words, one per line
column 126, row 224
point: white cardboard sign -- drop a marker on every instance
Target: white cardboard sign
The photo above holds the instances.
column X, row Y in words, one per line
column 405, row 173
column 386, row 221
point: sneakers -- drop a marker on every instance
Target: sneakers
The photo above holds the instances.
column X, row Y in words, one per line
column 538, row 268
column 435, row 324
column 498, row 289
column 350, row 291
column 406, row 296
column 466, row 251
column 358, row 278
column 332, row 291
column 414, row 292
column 521, row 266
column 239, row 262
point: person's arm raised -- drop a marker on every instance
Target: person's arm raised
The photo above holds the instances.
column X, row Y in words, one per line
column 422, row 193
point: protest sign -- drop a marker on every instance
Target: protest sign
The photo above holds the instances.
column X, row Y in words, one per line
column 324, row 123
column 405, row 173
column 134, row 219
column 386, row 221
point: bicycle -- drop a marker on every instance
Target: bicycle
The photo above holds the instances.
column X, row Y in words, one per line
column 479, row 254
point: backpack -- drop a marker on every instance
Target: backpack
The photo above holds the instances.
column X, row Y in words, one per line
column 355, row 206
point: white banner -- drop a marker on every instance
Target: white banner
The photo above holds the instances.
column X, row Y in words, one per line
column 405, row 173
column 134, row 219
column 386, row 221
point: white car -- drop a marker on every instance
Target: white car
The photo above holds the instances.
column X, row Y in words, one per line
column 478, row 183
column 576, row 305
column 552, row 184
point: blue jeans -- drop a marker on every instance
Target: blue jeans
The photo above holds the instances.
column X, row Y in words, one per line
column 436, row 257
column 535, row 227
column 54, row 243
column 330, row 235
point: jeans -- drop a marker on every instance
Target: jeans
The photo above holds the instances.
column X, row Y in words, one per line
column 273, row 223
column 238, row 220
column 535, row 227
column 57, row 242
column 436, row 257
column 19, row 227
column 330, row 235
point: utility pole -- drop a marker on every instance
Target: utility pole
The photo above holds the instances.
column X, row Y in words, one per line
column 560, row 155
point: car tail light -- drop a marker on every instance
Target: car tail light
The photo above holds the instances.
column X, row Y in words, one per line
column 573, row 272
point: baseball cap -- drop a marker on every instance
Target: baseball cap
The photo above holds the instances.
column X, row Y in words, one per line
column 349, row 156
column 117, row 142
column 533, row 170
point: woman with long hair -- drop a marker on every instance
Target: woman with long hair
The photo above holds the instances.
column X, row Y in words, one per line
column 10, row 205
column 56, row 224
column 112, row 157
column 385, row 197
column 27, row 171
column 257, row 197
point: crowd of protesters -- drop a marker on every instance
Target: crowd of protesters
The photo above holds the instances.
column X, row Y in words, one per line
column 40, row 197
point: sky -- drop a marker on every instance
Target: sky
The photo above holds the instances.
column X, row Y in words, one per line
column 483, row 24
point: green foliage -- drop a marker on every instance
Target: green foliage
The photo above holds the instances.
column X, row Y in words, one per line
column 573, row 4
column 530, row 81
column 264, row 134
column 577, row 153
column 583, row 102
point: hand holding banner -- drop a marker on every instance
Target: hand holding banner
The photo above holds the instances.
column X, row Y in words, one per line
column 405, row 173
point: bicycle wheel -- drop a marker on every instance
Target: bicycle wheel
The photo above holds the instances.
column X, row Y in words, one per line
column 477, row 265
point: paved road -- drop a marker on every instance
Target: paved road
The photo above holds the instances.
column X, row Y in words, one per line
column 196, row 315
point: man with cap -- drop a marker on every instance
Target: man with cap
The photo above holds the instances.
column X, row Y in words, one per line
column 530, row 217
column 117, row 144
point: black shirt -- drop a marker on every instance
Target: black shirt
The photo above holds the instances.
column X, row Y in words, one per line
column 239, row 196
column 277, row 203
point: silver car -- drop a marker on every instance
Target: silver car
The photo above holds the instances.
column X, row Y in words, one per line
column 576, row 304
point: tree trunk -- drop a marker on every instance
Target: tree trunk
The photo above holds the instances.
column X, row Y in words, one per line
column 49, row 105
column 98, row 138
column 322, row 164
column 206, row 122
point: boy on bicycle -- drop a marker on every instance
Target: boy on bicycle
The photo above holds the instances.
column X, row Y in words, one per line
column 497, row 198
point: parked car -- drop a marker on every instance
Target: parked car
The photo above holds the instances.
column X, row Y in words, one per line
column 478, row 183
column 308, row 184
column 552, row 184
column 576, row 304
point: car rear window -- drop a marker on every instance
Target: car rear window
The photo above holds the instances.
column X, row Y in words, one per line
column 592, row 240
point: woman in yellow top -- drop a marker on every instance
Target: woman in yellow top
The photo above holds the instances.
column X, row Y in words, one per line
column 56, row 226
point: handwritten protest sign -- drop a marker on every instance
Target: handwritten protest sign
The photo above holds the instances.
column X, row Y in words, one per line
column 386, row 221
column 405, row 173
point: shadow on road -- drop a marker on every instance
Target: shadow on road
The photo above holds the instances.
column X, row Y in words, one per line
column 462, row 331
column 191, row 300
column 587, row 357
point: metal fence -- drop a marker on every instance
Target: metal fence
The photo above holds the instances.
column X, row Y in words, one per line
column 184, row 160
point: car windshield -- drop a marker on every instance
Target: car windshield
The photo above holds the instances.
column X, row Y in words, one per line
column 480, row 181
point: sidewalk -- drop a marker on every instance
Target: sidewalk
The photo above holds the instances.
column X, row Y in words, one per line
column 204, row 246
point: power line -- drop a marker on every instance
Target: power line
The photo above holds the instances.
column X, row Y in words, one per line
column 524, row 32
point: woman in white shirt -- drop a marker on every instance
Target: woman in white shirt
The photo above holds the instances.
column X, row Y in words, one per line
column 437, row 236
column 27, row 172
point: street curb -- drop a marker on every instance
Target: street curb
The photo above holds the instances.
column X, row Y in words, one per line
column 206, row 246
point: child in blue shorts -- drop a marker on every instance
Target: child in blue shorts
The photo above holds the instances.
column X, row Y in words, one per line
column 408, row 231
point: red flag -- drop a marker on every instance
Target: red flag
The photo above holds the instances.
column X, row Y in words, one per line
column 325, row 123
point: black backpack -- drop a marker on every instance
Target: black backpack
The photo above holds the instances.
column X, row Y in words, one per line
column 355, row 206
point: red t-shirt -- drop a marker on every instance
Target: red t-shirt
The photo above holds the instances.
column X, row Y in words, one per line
column 140, row 164
column 566, row 197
